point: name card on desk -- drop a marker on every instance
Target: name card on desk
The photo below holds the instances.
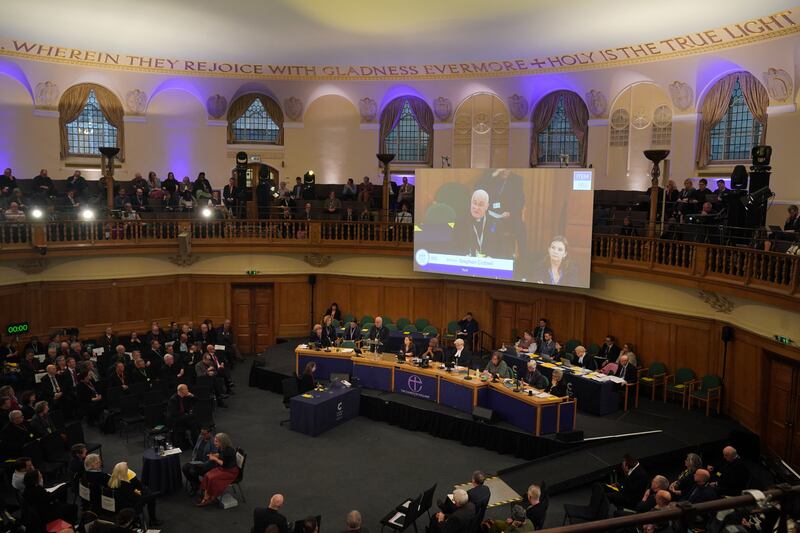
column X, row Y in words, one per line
column 98, row 351
column 39, row 375
column 219, row 347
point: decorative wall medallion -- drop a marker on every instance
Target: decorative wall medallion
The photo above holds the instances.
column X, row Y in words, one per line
column 294, row 108
column 442, row 108
column 46, row 95
column 597, row 103
column 716, row 302
column 480, row 123
column 640, row 118
column 184, row 259
column 368, row 109
column 318, row 260
column 216, row 106
column 518, row 106
column 779, row 84
column 681, row 94
column 136, row 100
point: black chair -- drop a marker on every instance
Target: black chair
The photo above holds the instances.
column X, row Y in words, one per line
column 406, row 519
column 241, row 460
column 57, row 417
column 298, row 524
column 114, row 399
column 153, row 397
column 74, row 431
column 34, row 450
column 204, row 412
column 596, row 510
column 290, row 388
column 155, row 423
column 129, row 413
column 53, row 449
column 202, row 392
column 137, row 389
column 425, row 504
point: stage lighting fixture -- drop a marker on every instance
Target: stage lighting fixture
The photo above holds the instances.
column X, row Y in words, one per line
column 87, row 214
column 762, row 154
column 739, row 178
column 206, row 212
column 36, row 213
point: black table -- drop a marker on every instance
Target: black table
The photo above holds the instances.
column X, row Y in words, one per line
column 595, row 397
column 324, row 410
column 395, row 340
column 161, row 473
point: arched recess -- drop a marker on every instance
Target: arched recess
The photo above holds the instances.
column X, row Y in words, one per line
column 406, row 130
column 647, row 110
column 186, row 85
column 13, row 71
column 255, row 118
column 18, row 127
column 73, row 103
column 480, row 132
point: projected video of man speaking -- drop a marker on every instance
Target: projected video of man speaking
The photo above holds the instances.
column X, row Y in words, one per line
column 532, row 225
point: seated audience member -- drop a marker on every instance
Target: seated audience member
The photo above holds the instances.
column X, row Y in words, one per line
column 628, row 229
column 139, row 182
column 139, row 201
column 648, row 501
column 172, row 373
column 332, row 204
column 497, row 367
column 609, row 350
column 77, row 455
column 732, row 476
column 316, row 336
column 348, row 215
column 349, row 190
column 16, row 434
column 365, row 191
column 130, row 492
column 310, row 525
column 328, row 331
column 632, row 485
column 379, row 333
column 467, row 329
column 547, row 348
column 459, row 355
column 558, row 387
column 702, row 490
column 89, row 398
column 46, row 504
column 27, row 402
column 537, row 508
column 180, row 415
column 405, row 193
column 93, row 470
column 625, row 370
column 43, row 185
column 14, row 213
column 263, row 517
column 77, row 184
column 51, row 388
column 352, row 332
column 119, row 377
column 662, row 501
column 22, row 466
column 334, row 311
column 140, row 373
column 459, row 520
column 409, row 349
column 121, row 199
column 526, row 343
column 534, row 378
column 216, row 480
column 365, row 215
column 627, row 349
column 306, row 213
column 200, row 463
column 41, row 424
column 520, row 523
column 683, row 485
column 403, row 216
column 583, row 359
column 541, row 329
column 307, row 381
column 219, row 360
column 434, row 351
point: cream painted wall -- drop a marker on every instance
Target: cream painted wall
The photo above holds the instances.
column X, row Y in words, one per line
column 758, row 318
column 320, row 142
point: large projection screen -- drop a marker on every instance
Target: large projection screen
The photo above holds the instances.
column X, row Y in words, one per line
column 532, row 225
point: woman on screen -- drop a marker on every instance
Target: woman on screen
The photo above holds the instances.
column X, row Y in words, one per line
column 555, row 269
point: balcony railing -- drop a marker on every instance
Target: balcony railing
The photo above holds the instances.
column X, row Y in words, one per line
column 700, row 264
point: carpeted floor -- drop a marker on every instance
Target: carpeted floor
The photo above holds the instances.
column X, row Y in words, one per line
column 360, row 465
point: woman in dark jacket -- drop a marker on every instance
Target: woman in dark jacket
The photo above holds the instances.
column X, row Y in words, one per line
column 46, row 504
column 307, row 381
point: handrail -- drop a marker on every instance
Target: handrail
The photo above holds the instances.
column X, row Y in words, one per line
column 684, row 512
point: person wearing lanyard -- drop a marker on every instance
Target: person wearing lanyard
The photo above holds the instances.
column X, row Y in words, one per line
column 472, row 231
column 506, row 202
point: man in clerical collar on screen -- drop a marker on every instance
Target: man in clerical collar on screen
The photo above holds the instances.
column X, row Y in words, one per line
column 506, row 202
column 476, row 234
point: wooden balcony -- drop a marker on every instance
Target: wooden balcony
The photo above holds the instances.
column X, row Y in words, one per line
column 764, row 276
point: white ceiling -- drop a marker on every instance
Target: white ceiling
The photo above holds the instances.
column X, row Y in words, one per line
column 361, row 32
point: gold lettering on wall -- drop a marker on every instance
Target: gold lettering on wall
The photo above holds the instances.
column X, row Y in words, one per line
column 742, row 33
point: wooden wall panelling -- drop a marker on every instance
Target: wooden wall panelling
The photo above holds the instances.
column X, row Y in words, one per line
column 292, row 305
column 397, row 301
column 61, row 306
column 427, row 302
column 211, row 299
column 99, row 309
column 742, row 386
column 18, row 307
column 366, row 299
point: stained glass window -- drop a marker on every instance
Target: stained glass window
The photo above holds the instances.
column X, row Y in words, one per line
column 407, row 140
column 737, row 132
column 87, row 133
column 557, row 139
column 255, row 125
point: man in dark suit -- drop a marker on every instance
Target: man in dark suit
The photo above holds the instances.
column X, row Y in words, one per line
column 460, row 520
column 15, row 435
column 540, row 330
column 200, row 463
column 625, row 370
column 351, row 332
column 584, row 359
column 534, row 378
column 154, row 357
column 702, row 491
column 51, row 389
column 141, row 374
column 609, row 350
column 265, row 517
column 297, row 190
column 180, row 415
column 547, row 348
column 95, row 478
column 230, row 196
column 467, row 328
column 379, row 332
column 479, row 494
column 631, row 487
column 733, row 475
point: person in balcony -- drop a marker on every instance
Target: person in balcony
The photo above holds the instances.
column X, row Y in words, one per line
column 628, row 229
column 332, row 204
column 170, row 184
column 121, row 199
column 365, row 191
column 139, row 201
column 403, row 216
column 128, row 212
column 349, row 191
column 139, row 182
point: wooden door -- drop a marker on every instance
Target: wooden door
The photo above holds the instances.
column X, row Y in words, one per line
column 253, row 317
column 513, row 318
column 782, row 431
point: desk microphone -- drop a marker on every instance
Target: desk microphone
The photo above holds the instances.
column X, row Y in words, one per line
column 468, row 377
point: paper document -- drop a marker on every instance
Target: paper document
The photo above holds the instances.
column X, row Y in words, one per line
column 54, row 487
column 398, row 519
column 98, row 351
column 219, row 347
column 616, row 379
column 173, row 451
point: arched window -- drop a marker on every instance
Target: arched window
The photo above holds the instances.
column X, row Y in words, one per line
column 90, row 116
column 255, row 118
column 620, row 128
column 662, row 126
column 406, row 130
column 560, row 130
column 733, row 119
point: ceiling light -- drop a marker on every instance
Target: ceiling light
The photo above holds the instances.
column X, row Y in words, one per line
column 206, row 212
column 36, row 212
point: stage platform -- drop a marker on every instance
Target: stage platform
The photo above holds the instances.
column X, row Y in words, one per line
column 656, row 432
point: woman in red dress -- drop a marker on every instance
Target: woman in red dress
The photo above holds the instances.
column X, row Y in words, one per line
column 218, row 478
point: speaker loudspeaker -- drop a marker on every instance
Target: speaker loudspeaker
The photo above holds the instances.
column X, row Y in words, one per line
column 482, row 414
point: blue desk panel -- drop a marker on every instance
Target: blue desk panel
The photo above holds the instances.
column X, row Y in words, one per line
column 455, row 395
column 373, row 377
column 324, row 410
column 406, row 381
